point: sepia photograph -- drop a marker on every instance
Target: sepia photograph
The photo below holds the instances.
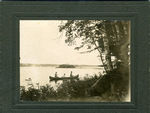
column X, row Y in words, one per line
column 75, row 60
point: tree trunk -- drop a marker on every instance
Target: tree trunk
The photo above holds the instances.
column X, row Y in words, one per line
column 108, row 82
column 105, row 83
column 107, row 55
column 106, row 46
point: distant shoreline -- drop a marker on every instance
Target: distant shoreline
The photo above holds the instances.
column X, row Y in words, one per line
column 55, row 65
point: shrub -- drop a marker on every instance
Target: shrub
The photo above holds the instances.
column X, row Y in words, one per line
column 79, row 90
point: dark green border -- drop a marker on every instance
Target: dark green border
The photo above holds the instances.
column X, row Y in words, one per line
column 12, row 12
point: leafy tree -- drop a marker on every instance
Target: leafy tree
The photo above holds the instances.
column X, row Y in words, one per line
column 109, row 38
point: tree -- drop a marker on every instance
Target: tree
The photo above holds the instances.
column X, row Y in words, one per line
column 109, row 38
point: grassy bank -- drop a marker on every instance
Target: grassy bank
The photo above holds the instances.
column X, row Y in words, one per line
column 72, row 90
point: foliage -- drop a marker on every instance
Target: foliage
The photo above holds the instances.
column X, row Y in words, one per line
column 73, row 90
column 32, row 94
column 107, row 37
column 110, row 39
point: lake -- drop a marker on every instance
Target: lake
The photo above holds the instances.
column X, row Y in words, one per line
column 41, row 74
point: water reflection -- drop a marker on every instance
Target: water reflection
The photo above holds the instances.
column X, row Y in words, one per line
column 38, row 76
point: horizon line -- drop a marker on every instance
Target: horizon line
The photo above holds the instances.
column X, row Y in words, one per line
column 58, row 64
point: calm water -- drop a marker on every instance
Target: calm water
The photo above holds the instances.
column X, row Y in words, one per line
column 41, row 74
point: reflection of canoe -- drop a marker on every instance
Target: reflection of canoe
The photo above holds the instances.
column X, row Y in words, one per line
column 63, row 78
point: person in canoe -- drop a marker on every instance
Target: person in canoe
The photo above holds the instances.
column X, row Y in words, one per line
column 56, row 75
column 64, row 75
column 71, row 74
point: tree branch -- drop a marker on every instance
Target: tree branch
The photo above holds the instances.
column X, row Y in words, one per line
column 100, row 55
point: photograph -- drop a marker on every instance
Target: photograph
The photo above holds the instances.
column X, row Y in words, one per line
column 75, row 60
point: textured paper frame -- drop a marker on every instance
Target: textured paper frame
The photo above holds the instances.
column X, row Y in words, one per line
column 12, row 12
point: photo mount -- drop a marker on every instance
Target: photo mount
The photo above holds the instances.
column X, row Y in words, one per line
column 13, row 12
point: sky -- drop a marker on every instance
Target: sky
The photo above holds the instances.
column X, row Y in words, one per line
column 42, row 43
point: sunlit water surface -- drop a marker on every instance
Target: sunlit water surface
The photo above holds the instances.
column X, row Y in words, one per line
column 41, row 74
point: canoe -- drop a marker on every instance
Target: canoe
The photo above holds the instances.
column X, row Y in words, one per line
column 63, row 78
